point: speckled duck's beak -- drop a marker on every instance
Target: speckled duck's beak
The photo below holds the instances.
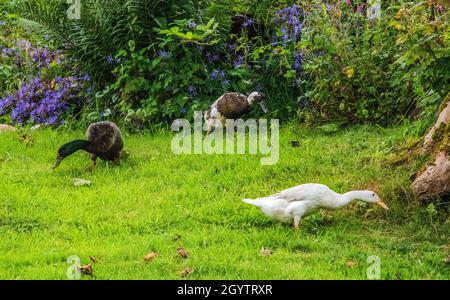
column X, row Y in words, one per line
column 382, row 204
column 263, row 107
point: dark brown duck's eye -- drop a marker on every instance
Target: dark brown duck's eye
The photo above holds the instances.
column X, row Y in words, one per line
column 373, row 195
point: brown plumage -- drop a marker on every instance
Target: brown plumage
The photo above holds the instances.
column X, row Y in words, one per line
column 232, row 106
column 104, row 140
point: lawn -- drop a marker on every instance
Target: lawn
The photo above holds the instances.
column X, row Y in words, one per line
column 156, row 201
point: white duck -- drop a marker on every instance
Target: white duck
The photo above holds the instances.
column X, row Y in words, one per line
column 232, row 106
column 290, row 205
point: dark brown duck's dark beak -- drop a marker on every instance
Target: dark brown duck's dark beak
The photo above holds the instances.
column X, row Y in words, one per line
column 57, row 162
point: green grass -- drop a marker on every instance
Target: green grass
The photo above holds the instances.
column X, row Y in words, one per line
column 154, row 196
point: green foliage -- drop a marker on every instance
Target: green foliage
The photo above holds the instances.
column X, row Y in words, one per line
column 353, row 67
column 150, row 88
column 105, row 27
column 422, row 32
column 317, row 62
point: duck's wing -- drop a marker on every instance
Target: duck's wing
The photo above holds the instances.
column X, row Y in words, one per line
column 232, row 105
column 304, row 192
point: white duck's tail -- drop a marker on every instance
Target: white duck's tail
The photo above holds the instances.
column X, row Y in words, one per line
column 259, row 201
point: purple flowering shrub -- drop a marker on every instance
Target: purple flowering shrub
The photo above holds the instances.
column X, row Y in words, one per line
column 35, row 86
column 41, row 102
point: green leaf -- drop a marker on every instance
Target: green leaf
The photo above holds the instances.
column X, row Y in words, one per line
column 210, row 23
column 132, row 45
column 189, row 35
column 162, row 22
column 175, row 29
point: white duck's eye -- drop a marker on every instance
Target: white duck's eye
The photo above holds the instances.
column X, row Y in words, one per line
column 373, row 195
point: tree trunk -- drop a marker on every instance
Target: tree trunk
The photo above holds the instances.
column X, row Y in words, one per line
column 433, row 182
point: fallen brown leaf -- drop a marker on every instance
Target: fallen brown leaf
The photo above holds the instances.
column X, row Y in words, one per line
column 93, row 259
column 150, row 256
column 265, row 252
column 78, row 182
column 351, row 264
column 181, row 252
column 186, row 272
column 86, row 269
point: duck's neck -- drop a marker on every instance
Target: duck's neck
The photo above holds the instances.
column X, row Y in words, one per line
column 74, row 146
column 250, row 100
column 345, row 199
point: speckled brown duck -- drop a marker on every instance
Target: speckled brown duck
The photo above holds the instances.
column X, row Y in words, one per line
column 104, row 140
column 232, row 106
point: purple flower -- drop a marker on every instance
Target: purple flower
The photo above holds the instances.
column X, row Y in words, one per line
column 231, row 47
column 192, row 25
column 239, row 61
column 226, row 82
column 349, row 3
column 183, row 110
column 86, row 77
column 329, row 7
column 110, row 59
column 212, row 57
column 163, row 53
column 214, row 75
column 192, row 91
column 248, row 23
column 360, row 8
column 258, row 87
column 2, row 23
column 298, row 57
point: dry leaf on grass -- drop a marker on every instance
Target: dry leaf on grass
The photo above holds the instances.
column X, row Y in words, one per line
column 87, row 269
column 81, row 182
column 93, row 259
column 265, row 252
column 181, row 252
column 350, row 264
column 150, row 256
column 186, row 272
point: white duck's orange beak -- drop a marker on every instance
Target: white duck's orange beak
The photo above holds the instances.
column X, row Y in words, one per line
column 382, row 204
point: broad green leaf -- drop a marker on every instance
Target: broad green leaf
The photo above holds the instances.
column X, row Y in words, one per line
column 162, row 22
column 175, row 29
